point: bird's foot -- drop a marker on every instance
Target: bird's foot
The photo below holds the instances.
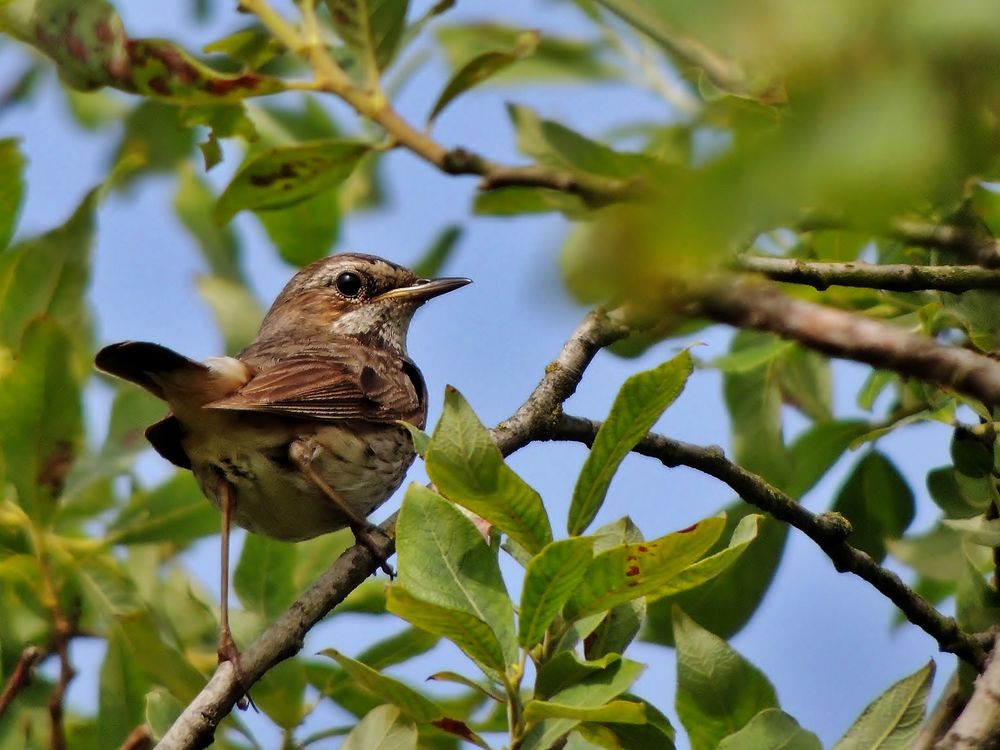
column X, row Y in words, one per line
column 228, row 651
column 365, row 534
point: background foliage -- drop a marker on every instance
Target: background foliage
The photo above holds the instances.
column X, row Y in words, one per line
column 825, row 145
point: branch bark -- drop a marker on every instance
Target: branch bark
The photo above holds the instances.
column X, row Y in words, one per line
column 978, row 726
column 752, row 304
column 828, row 530
column 20, row 677
column 894, row 277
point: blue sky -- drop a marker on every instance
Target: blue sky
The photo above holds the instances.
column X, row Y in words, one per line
column 823, row 638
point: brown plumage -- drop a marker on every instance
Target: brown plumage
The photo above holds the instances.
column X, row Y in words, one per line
column 296, row 436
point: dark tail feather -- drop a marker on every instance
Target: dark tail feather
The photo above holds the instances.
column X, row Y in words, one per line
column 135, row 361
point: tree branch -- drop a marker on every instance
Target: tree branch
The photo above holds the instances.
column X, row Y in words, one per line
column 752, row 304
column 20, row 677
column 828, row 530
column 976, row 728
column 974, row 243
column 895, row 277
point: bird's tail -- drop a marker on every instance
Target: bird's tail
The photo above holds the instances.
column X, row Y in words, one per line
column 148, row 365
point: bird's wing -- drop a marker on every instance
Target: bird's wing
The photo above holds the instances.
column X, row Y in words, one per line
column 374, row 386
column 144, row 364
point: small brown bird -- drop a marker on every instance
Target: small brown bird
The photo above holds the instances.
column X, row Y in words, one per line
column 296, row 436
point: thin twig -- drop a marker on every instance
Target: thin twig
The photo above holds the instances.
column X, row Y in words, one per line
column 20, row 677
column 828, row 530
column 973, row 243
column 138, row 739
column 895, row 277
column 838, row 333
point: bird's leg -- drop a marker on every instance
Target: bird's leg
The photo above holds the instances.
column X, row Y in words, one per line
column 302, row 454
column 227, row 646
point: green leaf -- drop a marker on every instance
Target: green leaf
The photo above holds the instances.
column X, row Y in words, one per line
column 280, row 177
column 161, row 662
column 162, row 710
column 656, row 732
column 753, row 356
column 805, row 382
column 936, row 553
column 977, row 603
column 550, row 579
column 557, row 146
column 468, row 632
column 237, row 312
column 971, row 455
column 104, row 583
column 371, row 29
column 718, row 691
column 444, row 561
column 958, row 495
column 623, row 712
column 877, row 501
column 772, row 729
column 725, row 603
column 305, row 231
column 280, row 693
column 513, row 201
column 420, row 438
column 605, row 680
column 438, row 254
column 121, row 702
column 554, row 59
column 893, row 720
column 816, row 450
column 382, row 729
column 219, row 247
column 977, row 530
column 11, row 188
column 630, row 571
column 263, row 577
column 480, row 68
column 48, row 275
column 409, row 701
column 398, row 648
column 40, row 418
column 639, row 404
column 467, row 468
column 175, row 511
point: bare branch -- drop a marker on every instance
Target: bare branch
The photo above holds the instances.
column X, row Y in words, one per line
column 138, row 739
column 974, row 243
column 828, row 530
column 895, row 277
column 20, row 677
column 751, row 304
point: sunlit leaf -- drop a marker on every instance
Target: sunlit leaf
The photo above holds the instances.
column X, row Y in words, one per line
column 467, row 468
column 550, row 579
column 893, row 720
column 638, row 405
column 263, row 576
column 772, row 728
column 371, row 29
column 175, row 511
column 383, row 728
column 281, row 693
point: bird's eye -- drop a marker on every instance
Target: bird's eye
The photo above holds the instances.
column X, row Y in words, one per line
column 348, row 284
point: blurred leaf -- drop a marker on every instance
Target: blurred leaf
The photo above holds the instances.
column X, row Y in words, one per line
column 280, row 177
column 253, row 46
column 629, row 571
column 718, row 691
column 977, row 603
column 161, row 662
column 382, row 729
column 444, row 561
column 557, row 146
column 438, row 254
column 48, row 275
column 280, row 693
column 554, row 59
column 971, row 455
column 11, row 188
column 877, row 501
column 754, row 404
column 957, row 495
column 513, row 201
column 219, row 247
column 175, row 511
column 465, row 465
column 550, row 579
column 753, row 356
column 639, row 404
column 893, row 720
column 263, row 577
column 93, row 110
column 772, row 729
column 40, row 418
column 371, row 29
column 804, row 380
column 162, row 710
column 122, row 697
column 155, row 138
column 936, row 553
column 398, row 648
column 105, row 585
column 306, row 230
column 237, row 311
column 481, row 67
column 977, row 530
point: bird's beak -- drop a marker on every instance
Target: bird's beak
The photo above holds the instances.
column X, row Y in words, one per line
column 424, row 289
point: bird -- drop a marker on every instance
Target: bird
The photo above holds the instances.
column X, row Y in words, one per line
column 299, row 434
